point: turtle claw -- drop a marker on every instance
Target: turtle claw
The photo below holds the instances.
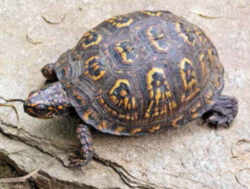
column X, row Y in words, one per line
column 80, row 159
column 75, row 162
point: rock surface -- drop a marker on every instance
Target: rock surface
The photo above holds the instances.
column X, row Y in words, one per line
column 34, row 33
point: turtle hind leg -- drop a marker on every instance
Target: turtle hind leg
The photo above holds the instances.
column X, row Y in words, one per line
column 86, row 152
column 49, row 73
column 222, row 113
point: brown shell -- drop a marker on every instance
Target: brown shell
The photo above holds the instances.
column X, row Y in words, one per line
column 141, row 72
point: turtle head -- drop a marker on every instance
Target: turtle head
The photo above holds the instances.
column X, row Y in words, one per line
column 48, row 101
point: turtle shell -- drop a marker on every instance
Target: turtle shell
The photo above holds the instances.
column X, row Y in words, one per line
column 141, row 72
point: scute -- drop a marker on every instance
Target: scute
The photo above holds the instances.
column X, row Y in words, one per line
column 140, row 72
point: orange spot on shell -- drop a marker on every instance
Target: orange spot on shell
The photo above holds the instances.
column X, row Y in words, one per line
column 100, row 100
column 154, row 128
column 175, row 121
column 119, row 129
column 137, row 130
column 195, row 115
column 103, row 125
column 86, row 114
column 60, row 107
column 123, row 93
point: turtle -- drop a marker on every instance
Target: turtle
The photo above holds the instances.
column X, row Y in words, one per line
column 133, row 74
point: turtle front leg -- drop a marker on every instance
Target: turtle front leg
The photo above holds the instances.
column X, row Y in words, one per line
column 222, row 112
column 49, row 73
column 86, row 151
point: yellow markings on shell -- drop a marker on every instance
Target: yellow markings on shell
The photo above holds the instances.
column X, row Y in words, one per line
column 216, row 67
column 136, row 130
column 103, row 125
column 123, row 53
column 114, row 99
column 152, row 13
column 128, row 117
column 195, row 109
column 86, row 114
column 192, row 95
column 119, row 129
column 118, row 83
column 132, row 116
column 210, row 55
column 189, row 86
column 95, row 67
column 150, row 79
column 156, row 112
column 122, row 116
column 127, row 101
column 115, row 21
column 123, row 101
column 154, row 128
column 172, row 105
column 208, row 96
column 60, row 107
column 101, row 100
column 50, row 108
column 106, row 107
column 154, row 41
column 150, row 76
column 164, row 110
column 123, row 93
column 175, row 121
column 195, row 115
column 217, row 82
column 213, row 61
column 147, row 114
column 156, row 95
column 183, row 35
column 184, row 74
column 203, row 65
column 133, row 103
column 114, row 113
column 200, row 34
column 89, row 36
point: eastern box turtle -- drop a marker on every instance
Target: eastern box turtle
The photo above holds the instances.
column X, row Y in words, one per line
column 134, row 74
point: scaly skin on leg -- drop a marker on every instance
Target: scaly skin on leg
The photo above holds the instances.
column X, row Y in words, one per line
column 222, row 112
column 86, row 152
column 48, row 72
